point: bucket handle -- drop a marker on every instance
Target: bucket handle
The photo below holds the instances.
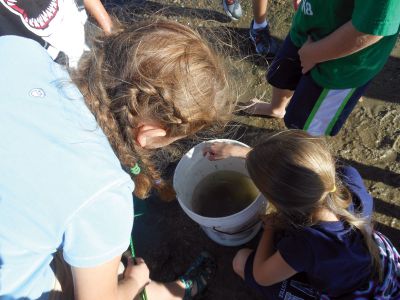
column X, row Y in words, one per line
column 240, row 231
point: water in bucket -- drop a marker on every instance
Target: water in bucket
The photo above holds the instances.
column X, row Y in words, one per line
column 223, row 193
column 237, row 225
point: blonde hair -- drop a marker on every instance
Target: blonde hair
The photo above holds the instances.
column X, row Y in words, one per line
column 157, row 70
column 297, row 174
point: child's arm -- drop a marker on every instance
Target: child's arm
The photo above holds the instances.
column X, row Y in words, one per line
column 342, row 42
column 269, row 267
column 102, row 282
column 296, row 4
column 216, row 151
column 96, row 9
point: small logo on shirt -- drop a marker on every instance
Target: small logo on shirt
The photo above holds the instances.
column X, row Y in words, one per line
column 37, row 93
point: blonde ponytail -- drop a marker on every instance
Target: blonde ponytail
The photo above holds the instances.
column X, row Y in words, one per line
column 338, row 203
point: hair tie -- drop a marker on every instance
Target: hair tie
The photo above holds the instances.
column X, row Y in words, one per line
column 135, row 170
column 333, row 189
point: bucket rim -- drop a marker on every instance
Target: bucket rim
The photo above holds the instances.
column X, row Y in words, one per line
column 257, row 199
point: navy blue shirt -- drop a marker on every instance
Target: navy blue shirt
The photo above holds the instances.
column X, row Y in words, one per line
column 332, row 255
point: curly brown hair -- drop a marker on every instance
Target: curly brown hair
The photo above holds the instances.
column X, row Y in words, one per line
column 157, row 70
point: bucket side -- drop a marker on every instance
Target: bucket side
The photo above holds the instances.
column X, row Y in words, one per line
column 231, row 230
column 232, row 240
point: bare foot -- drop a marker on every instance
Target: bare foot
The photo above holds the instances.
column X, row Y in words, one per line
column 260, row 108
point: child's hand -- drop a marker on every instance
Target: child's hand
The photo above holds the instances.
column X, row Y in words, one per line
column 306, row 59
column 269, row 221
column 217, row 151
column 138, row 272
column 296, row 4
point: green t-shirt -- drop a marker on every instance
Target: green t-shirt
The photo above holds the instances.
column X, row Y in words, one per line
column 319, row 18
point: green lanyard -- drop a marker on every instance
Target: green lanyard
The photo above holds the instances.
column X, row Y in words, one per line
column 135, row 171
column 143, row 295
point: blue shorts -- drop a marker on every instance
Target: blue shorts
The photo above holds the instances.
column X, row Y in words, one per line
column 315, row 109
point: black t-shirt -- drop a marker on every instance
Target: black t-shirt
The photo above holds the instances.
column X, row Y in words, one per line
column 11, row 24
column 36, row 20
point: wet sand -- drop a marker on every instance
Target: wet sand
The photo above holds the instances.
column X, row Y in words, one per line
column 370, row 141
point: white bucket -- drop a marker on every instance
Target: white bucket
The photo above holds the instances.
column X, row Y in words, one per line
column 232, row 230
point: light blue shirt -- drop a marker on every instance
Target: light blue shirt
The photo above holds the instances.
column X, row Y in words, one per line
column 61, row 185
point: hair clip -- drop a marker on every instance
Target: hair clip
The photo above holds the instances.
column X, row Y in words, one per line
column 333, row 189
column 135, row 170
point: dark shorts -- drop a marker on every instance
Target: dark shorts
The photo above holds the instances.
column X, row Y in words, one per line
column 295, row 287
column 315, row 109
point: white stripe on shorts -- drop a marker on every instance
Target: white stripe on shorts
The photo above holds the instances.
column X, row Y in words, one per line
column 326, row 111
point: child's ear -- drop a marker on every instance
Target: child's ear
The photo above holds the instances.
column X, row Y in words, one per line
column 145, row 134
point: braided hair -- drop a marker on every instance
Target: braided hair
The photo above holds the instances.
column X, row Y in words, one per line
column 155, row 70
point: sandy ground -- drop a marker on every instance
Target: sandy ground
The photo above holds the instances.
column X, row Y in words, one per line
column 370, row 141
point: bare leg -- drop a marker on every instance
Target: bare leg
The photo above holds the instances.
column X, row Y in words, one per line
column 239, row 261
column 277, row 107
column 166, row 291
column 260, row 10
